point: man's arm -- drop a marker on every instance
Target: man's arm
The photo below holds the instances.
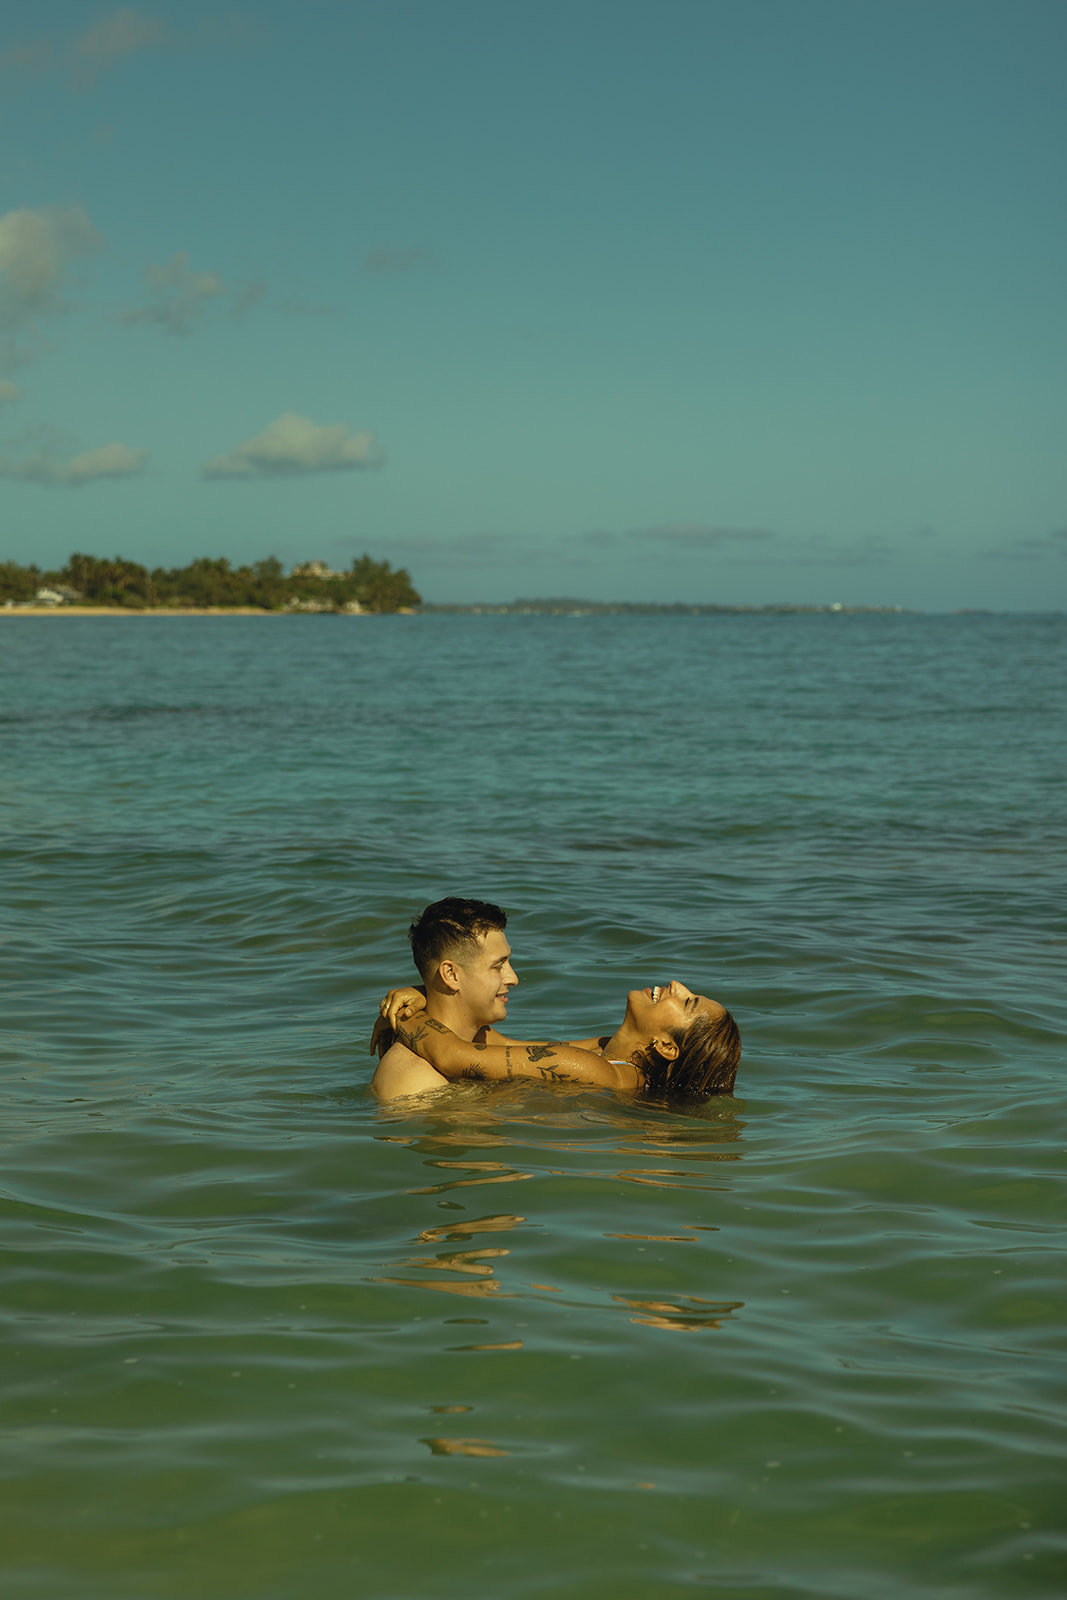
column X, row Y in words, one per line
column 410, row 1001
column 455, row 1058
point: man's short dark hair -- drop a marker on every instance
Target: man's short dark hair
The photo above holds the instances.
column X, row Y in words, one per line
column 449, row 930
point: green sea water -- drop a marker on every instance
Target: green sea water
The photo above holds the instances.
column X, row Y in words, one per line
column 265, row 1339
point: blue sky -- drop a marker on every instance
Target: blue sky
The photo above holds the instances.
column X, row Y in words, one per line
column 719, row 300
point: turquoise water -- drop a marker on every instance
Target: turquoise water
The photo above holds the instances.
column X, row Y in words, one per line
column 264, row 1338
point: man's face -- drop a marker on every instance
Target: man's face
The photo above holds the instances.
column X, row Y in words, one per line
column 485, row 980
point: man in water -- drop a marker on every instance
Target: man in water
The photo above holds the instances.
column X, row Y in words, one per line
column 670, row 1041
column 464, row 959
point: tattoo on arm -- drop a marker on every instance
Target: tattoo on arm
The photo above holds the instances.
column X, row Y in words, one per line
column 415, row 1029
column 549, row 1062
column 537, row 1054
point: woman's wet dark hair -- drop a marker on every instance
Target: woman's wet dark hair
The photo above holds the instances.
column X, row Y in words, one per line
column 709, row 1054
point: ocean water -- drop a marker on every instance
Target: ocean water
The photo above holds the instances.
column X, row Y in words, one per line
column 264, row 1339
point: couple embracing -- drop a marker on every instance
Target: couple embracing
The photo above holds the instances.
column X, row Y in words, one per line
column 670, row 1041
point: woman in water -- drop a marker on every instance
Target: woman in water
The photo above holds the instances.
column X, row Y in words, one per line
column 670, row 1042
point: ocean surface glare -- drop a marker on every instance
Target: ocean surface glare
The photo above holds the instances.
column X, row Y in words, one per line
column 264, row 1339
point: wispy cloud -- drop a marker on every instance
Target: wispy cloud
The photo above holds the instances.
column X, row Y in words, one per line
column 744, row 547
column 698, row 535
column 246, row 296
column 294, row 446
column 464, row 547
column 295, row 306
column 1033, row 548
column 36, row 251
column 387, row 259
column 25, row 62
column 600, row 538
column 108, row 461
column 686, row 535
column 179, row 295
column 9, row 392
column 819, row 551
column 123, row 32
column 116, row 36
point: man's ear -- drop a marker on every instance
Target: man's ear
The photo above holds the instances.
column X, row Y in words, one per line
column 448, row 972
column 667, row 1048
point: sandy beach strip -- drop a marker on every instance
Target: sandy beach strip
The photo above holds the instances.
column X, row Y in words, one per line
column 158, row 611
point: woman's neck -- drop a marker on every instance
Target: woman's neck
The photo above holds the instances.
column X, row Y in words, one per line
column 621, row 1045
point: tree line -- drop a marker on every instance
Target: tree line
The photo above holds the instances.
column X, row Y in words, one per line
column 214, row 582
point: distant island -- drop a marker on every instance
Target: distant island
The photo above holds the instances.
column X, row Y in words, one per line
column 208, row 584
column 92, row 583
column 650, row 608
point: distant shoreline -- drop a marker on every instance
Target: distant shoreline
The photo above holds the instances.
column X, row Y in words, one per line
column 518, row 608
column 651, row 608
column 179, row 611
column 144, row 611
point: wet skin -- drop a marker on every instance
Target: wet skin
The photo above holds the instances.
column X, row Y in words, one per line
column 652, row 1016
column 663, row 1008
column 485, row 982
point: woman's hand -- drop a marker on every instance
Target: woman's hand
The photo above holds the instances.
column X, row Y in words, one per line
column 401, row 1003
column 404, row 1002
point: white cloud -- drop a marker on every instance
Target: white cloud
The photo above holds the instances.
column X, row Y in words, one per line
column 180, row 294
column 293, row 446
column 108, row 461
column 123, row 32
column 9, row 392
column 36, row 249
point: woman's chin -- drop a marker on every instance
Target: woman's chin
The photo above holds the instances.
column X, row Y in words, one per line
column 631, row 1021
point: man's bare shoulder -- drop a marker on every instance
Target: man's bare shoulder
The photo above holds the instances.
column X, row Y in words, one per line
column 400, row 1072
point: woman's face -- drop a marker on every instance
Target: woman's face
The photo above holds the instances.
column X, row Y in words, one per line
column 666, row 1006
